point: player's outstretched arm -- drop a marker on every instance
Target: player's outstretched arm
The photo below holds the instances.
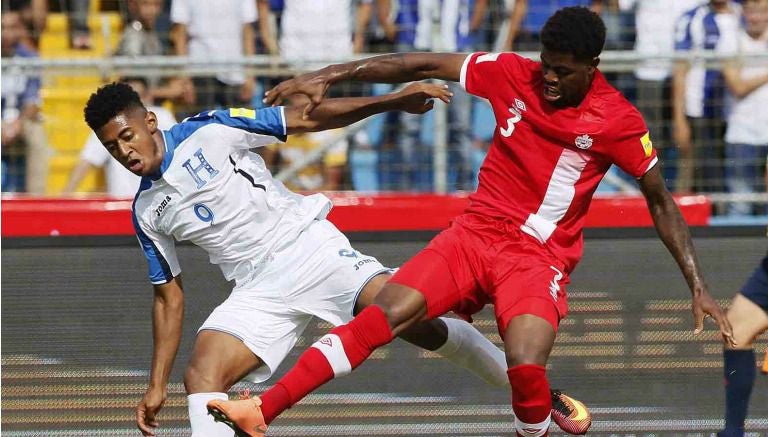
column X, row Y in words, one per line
column 416, row 98
column 167, row 318
column 392, row 68
column 675, row 234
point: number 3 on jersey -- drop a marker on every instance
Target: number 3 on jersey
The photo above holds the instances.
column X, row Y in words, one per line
column 516, row 116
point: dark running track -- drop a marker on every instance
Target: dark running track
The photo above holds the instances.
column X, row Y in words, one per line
column 76, row 348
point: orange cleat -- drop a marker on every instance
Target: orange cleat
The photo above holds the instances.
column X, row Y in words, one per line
column 244, row 416
column 765, row 363
column 569, row 414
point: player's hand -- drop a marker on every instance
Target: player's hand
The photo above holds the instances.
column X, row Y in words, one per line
column 313, row 85
column 417, row 97
column 705, row 306
column 147, row 410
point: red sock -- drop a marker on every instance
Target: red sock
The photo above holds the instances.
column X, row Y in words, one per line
column 335, row 354
column 531, row 399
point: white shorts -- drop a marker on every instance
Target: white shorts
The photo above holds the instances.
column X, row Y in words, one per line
column 320, row 274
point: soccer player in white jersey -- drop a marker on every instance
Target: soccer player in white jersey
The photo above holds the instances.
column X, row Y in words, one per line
column 200, row 182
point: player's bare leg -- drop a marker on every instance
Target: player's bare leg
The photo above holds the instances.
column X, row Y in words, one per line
column 461, row 344
column 218, row 361
column 528, row 340
column 748, row 320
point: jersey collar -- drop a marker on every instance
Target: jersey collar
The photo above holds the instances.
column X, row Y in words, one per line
column 169, row 146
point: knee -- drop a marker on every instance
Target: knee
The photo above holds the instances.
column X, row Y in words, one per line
column 520, row 354
column 397, row 315
column 402, row 307
column 528, row 339
column 197, row 379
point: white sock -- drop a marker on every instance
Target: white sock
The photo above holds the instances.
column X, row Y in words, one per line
column 468, row 348
column 202, row 423
column 532, row 429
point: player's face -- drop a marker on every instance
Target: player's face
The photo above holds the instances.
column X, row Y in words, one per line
column 566, row 79
column 128, row 137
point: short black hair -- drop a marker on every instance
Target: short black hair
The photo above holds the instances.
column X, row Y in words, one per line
column 108, row 101
column 575, row 30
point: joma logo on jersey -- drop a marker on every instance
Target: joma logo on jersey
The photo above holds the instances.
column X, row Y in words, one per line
column 362, row 262
column 162, row 205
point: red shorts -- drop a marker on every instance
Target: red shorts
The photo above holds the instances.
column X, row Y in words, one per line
column 480, row 260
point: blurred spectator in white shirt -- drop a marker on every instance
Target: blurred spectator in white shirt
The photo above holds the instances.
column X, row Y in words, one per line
column 140, row 38
column 315, row 31
column 698, row 95
column 409, row 24
column 208, row 30
column 655, row 22
column 746, row 137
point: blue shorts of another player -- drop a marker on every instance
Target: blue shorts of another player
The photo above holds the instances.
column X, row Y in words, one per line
column 756, row 288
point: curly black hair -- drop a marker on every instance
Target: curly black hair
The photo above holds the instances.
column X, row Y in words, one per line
column 575, row 30
column 108, row 101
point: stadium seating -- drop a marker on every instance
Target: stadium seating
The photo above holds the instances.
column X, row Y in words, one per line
column 63, row 96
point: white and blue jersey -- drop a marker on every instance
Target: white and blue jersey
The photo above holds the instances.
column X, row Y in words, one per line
column 213, row 191
column 703, row 29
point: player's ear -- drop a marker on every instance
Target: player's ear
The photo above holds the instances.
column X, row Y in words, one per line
column 151, row 119
column 594, row 62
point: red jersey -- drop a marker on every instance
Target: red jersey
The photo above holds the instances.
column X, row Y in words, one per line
column 545, row 163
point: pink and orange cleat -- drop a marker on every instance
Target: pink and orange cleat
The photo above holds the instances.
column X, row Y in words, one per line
column 244, row 415
column 569, row 414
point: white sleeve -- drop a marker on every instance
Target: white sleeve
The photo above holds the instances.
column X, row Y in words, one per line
column 94, row 152
column 180, row 11
column 728, row 43
column 160, row 253
column 248, row 13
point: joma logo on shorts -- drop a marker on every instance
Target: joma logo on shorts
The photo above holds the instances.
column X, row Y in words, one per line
column 162, row 206
column 362, row 262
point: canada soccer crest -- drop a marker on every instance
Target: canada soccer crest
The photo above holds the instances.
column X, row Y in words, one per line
column 584, row 142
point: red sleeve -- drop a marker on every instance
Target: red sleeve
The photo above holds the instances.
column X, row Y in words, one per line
column 632, row 149
column 482, row 72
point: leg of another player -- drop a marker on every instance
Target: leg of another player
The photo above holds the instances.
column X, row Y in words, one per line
column 452, row 339
column 748, row 321
column 528, row 340
column 218, row 361
column 337, row 353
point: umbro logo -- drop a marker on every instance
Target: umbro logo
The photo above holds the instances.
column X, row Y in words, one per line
column 520, row 104
column 326, row 341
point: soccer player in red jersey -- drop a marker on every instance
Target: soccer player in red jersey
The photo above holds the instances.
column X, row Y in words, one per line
column 560, row 126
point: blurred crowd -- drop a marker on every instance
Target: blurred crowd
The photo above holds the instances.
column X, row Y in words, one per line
column 707, row 120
